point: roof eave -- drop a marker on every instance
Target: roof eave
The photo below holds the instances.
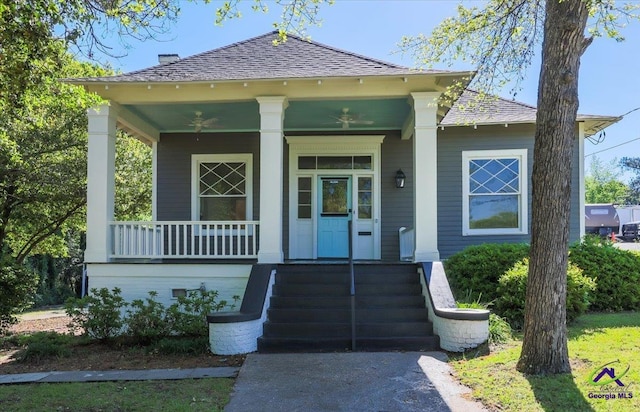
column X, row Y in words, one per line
column 595, row 124
column 592, row 124
column 109, row 81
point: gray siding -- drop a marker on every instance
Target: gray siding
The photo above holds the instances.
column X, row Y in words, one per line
column 451, row 143
column 174, row 180
column 174, row 168
column 396, row 204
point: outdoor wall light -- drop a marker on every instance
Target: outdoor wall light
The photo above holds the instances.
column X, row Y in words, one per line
column 400, row 178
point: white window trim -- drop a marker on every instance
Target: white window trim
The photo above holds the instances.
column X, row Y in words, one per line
column 247, row 158
column 521, row 154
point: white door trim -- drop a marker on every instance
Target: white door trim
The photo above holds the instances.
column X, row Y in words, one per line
column 368, row 145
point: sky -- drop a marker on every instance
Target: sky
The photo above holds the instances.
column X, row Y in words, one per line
column 609, row 75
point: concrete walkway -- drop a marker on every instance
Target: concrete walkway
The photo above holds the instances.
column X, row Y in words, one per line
column 361, row 381
column 119, row 375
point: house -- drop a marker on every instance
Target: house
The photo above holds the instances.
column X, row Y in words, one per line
column 264, row 154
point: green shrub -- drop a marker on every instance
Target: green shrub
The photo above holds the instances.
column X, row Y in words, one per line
column 188, row 316
column 512, row 291
column 616, row 271
column 44, row 345
column 182, row 345
column 146, row 321
column 52, row 296
column 98, row 315
column 499, row 329
column 475, row 270
column 17, row 286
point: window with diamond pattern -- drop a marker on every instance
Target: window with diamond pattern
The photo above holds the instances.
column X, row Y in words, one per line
column 495, row 199
column 222, row 190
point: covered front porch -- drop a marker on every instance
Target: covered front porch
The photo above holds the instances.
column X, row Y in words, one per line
column 281, row 222
column 260, row 181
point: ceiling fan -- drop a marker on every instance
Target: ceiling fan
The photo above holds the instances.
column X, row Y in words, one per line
column 347, row 119
column 198, row 123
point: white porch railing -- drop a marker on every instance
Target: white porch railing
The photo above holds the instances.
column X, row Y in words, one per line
column 190, row 240
column 407, row 243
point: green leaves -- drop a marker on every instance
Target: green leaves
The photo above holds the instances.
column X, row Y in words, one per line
column 99, row 314
column 43, row 137
column 602, row 184
column 608, row 18
column 498, row 41
column 295, row 15
column 133, row 164
column 43, row 151
column 17, row 285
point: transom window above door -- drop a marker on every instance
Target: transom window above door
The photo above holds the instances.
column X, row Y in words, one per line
column 334, row 162
column 222, row 187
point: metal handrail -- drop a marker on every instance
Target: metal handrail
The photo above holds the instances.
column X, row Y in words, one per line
column 352, row 289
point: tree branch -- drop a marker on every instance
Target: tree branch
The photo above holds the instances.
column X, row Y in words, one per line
column 45, row 232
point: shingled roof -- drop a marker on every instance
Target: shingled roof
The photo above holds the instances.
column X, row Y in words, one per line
column 469, row 110
column 499, row 110
column 258, row 58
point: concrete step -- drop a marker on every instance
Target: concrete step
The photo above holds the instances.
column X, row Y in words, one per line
column 328, row 302
column 343, row 329
column 336, row 289
column 363, row 315
column 310, row 309
column 286, row 345
column 343, row 277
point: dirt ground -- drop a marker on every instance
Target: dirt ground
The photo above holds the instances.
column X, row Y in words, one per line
column 96, row 356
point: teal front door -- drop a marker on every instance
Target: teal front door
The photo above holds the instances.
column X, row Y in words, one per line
column 334, row 200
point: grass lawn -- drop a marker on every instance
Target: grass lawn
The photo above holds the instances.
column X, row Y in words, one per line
column 180, row 395
column 594, row 340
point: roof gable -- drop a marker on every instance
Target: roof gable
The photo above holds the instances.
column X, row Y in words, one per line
column 259, row 58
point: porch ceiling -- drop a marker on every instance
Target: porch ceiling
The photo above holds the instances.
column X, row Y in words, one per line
column 301, row 115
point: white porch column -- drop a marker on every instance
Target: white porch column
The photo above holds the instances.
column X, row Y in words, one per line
column 100, row 182
column 425, row 164
column 271, row 181
column 581, row 183
column 154, row 181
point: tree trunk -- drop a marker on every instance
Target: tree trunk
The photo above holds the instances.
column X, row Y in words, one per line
column 544, row 349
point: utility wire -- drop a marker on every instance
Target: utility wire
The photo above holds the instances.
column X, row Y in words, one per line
column 630, row 111
column 603, row 133
column 613, row 147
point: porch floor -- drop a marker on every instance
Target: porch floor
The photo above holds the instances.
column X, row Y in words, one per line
column 254, row 261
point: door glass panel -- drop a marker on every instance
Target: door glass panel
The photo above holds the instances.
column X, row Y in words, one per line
column 304, row 198
column 334, row 196
column 364, row 198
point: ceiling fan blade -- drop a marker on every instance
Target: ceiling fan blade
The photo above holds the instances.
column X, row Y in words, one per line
column 210, row 122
